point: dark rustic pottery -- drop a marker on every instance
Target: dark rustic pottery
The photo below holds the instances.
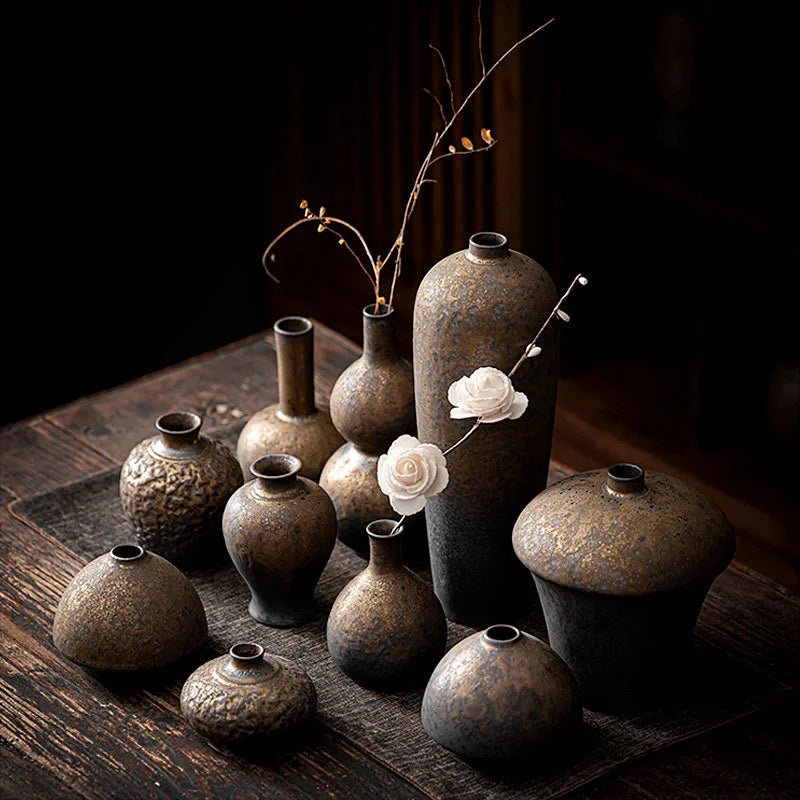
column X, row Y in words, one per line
column 479, row 308
column 386, row 627
column 622, row 566
column 294, row 425
column 372, row 403
column 174, row 487
column 280, row 530
column 128, row 610
column 246, row 695
column 500, row 693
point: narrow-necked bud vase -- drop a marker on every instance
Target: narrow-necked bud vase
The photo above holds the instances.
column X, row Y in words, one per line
column 500, row 693
column 280, row 529
column 386, row 627
column 174, row 487
column 295, row 424
column 246, row 695
column 128, row 610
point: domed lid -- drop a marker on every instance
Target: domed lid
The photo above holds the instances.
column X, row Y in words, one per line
column 620, row 532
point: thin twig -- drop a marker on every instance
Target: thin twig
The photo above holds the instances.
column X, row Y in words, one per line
column 480, row 40
column 464, row 437
column 446, row 77
column 438, row 103
column 464, row 152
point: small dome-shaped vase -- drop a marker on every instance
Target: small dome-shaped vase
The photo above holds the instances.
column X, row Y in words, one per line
column 129, row 610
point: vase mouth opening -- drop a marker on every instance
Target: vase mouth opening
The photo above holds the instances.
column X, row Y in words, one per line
column 501, row 634
column 247, row 651
column 625, row 478
column 292, row 326
column 127, row 552
column 384, row 529
column 488, row 244
column 178, row 423
column 384, row 311
column 276, row 467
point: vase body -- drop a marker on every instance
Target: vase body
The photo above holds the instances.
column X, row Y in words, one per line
column 500, row 693
column 622, row 566
column 372, row 403
column 386, row 627
column 294, row 424
column 246, row 695
column 129, row 610
column 174, row 487
column 280, row 530
column 480, row 308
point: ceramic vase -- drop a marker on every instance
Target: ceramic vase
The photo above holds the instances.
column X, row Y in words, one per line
column 280, row 529
column 386, row 627
column 372, row 403
column 174, row 487
column 476, row 308
column 500, row 693
column 248, row 695
column 294, row 425
column 129, row 610
column 622, row 563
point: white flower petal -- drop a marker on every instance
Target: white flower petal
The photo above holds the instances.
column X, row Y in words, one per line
column 403, row 443
column 462, row 413
column 442, row 479
column 407, row 507
column 518, row 406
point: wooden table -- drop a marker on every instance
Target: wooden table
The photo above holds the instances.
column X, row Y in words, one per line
column 58, row 741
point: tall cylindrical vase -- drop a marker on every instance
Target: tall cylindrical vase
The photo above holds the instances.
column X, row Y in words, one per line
column 294, row 425
column 479, row 308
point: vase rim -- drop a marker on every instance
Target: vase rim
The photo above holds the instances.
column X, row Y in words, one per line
column 276, row 467
column 246, row 651
column 383, row 529
column 127, row 553
column 179, row 423
column 625, row 478
column 292, row 326
column 385, row 311
column 502, row 634
column 488, row 244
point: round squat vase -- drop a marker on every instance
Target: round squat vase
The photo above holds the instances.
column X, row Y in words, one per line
column 248, row 695
column 294, row 425
column 372, row 403
column 174, row 488
column 386, row 627
column 129, row 610
column 280, row 530
column 476, row 308
column 500, row 693
column 622, row 564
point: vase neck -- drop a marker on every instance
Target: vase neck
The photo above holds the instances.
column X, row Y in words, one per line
column 179, row 434
column 277, row 474
column 379, row 338
column 247, row 662
column 385, row 546
column 294, row 345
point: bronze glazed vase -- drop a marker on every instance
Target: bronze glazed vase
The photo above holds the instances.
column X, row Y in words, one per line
column 386, row 627
column 280, row 530
column 622, row 563
column 294, row 425
column 129, row 610
column 247, row 695
column 500, row 693
column 372, row 403
column 174, row 487
column 480, row 307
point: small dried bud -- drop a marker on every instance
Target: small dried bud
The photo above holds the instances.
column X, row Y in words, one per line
column 466, row 143
column 382, row 301
column 304, row 204
column 583, row 280
column 320, row 228
column 341, row 241
column 451, row 149
column 321, row 211
column 272, row 257
column 486, row 135
column 563, row 315
column 307, row 212
column 399, row 241
column 534, row 351
column 327, row 220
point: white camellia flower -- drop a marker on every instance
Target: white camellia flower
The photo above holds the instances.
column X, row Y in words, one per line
column 489, row 394
column 410, row 473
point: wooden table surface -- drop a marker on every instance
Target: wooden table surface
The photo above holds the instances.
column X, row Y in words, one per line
column 65, row 735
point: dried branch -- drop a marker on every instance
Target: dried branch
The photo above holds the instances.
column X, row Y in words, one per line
column 438, row 103
column 480, row 40
column 446, row 77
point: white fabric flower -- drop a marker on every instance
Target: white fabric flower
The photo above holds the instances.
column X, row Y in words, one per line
column 487, row 393
column 410, row 473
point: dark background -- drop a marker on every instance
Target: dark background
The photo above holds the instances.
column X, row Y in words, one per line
column 649, row 145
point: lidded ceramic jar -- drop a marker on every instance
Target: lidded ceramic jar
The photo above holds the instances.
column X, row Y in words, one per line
column 174, row 488
column 294, row 425
column 247, row 694
column 129, row 610
column 500, row 693
column 280, row 530
column 386, row 627
column 622, row 562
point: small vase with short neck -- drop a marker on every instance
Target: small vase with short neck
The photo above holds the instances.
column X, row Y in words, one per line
column 387, row 627
column 280, row 529
column 372, row 404
column 294, row 425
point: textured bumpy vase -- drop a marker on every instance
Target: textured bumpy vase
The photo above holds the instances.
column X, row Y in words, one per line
column 294, row 425
column 622, row 566
column 372, row 404
column 129, row 610
column 500, row 694
column 246, row 695
column 174, row 487
column 386, row 627
column 280, row 530
column 479, row 308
